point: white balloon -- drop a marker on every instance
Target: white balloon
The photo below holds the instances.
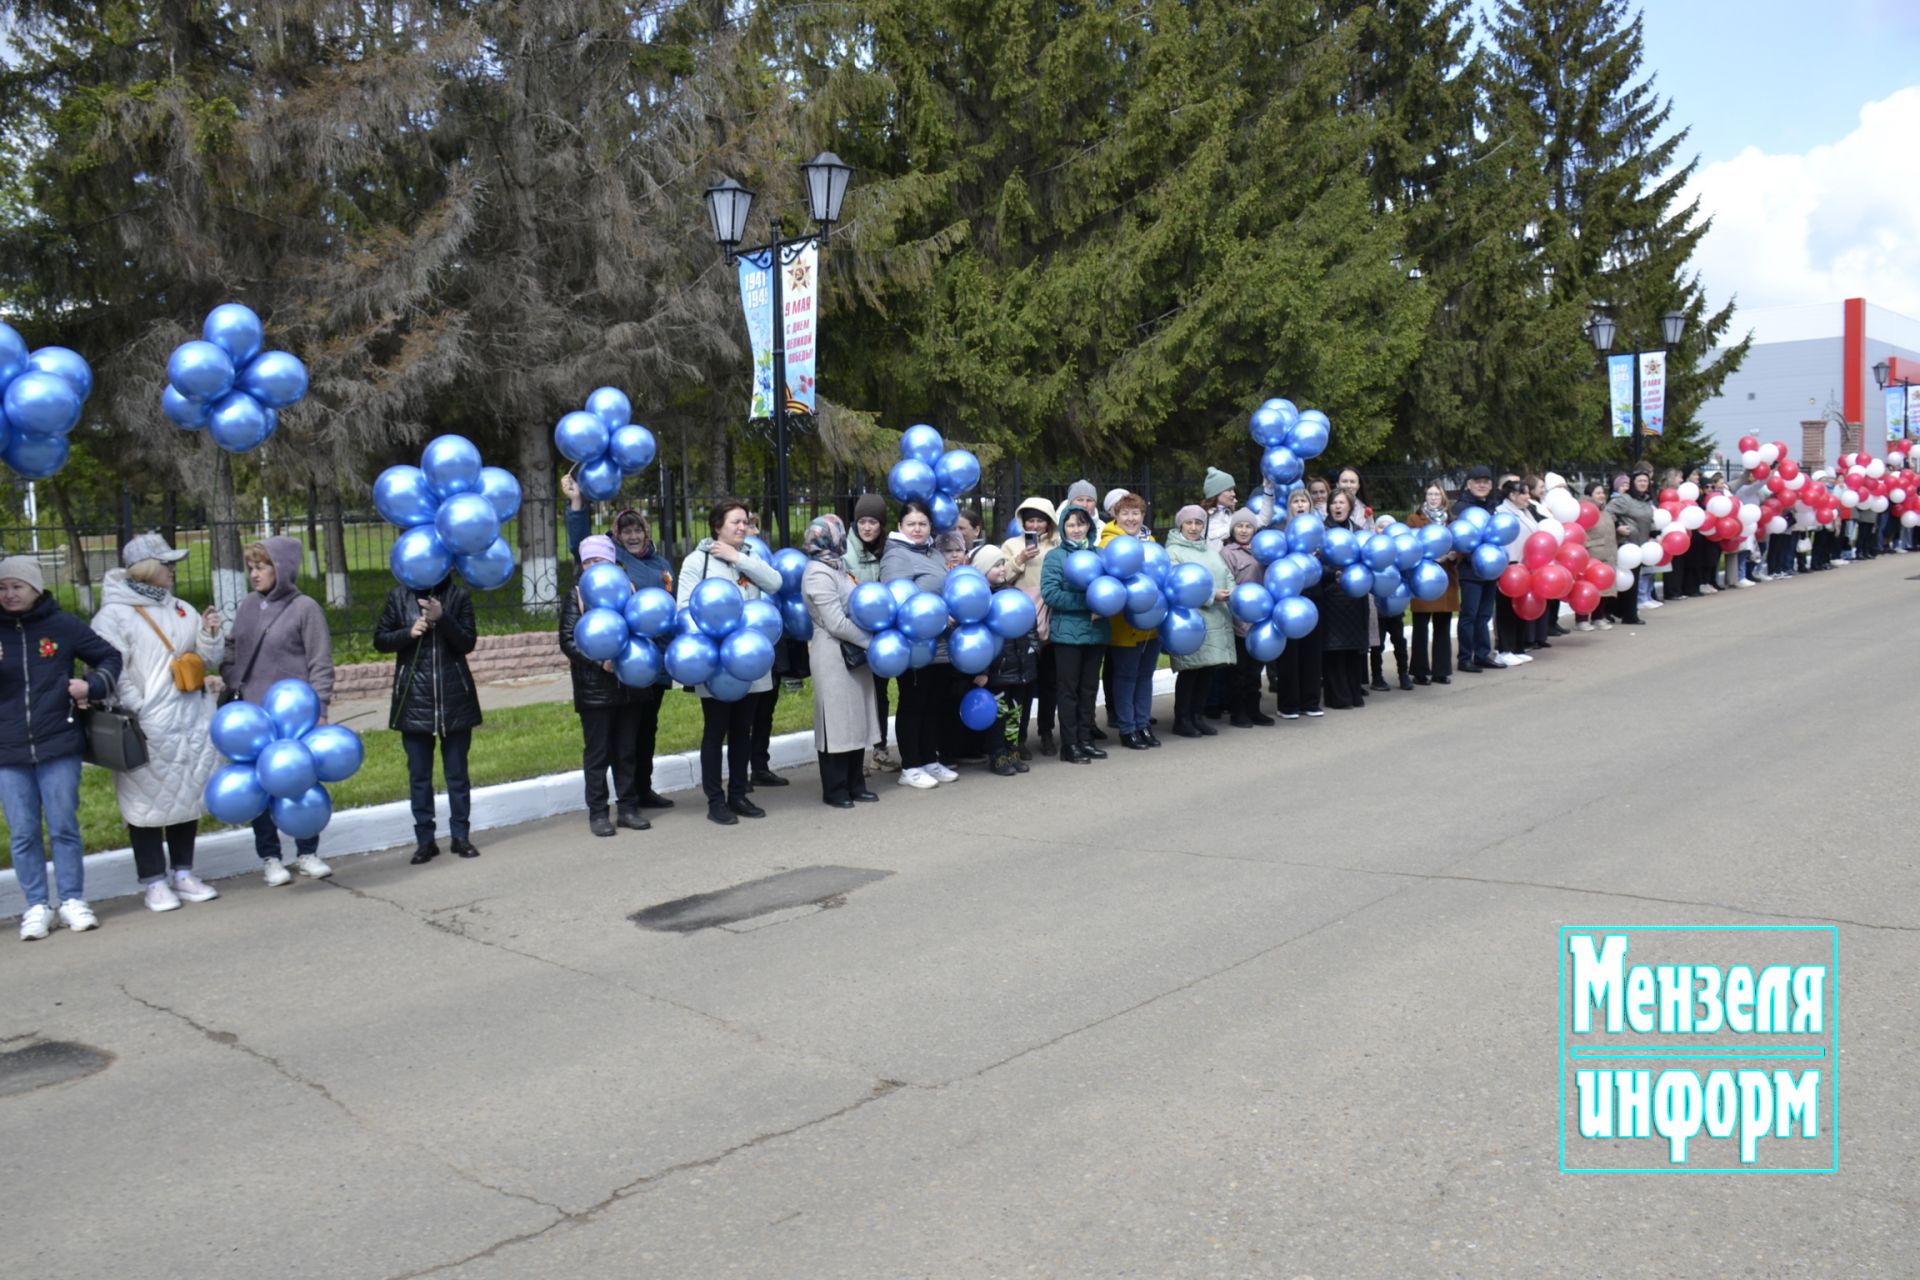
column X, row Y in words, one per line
column 1877, row 505
column 1719, row 505
column 1554, row 527
column 1849, row 498
column 1692, row 518
column 1651, row 551
column 1769, row 454
column 1896, row 459
column 1750, row 459
column 1563, row 506
column 1897, row 495
column 1798, row 481
column 1777, row 525
column 1910, row 519
column 1689, row 492
column 1627, row 557
column 1662, row 518
column 1749, row 513
column 1622, row 580
column 1876, row 468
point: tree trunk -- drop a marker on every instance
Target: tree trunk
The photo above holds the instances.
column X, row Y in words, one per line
column 339, row 584
column 223, row 533
column 313, row 528
column 539, row 549
column 169, row 519
column 82, row 572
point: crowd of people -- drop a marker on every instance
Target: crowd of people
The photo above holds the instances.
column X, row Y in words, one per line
column 147, row 652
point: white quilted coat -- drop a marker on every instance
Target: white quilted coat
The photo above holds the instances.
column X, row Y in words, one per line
column 180, row 751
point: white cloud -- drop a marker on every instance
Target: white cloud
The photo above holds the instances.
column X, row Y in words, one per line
column 1840, row 221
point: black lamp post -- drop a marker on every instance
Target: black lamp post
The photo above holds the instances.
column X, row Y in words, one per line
column 1882, row 370
column 727, row 206
column 1601, row 329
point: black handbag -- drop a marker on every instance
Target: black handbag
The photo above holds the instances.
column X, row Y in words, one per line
column 853, row 655
column 111, row 738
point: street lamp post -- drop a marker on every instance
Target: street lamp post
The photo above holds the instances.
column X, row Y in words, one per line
column 1601, row 329
column 728, row 204
column 1882, row 372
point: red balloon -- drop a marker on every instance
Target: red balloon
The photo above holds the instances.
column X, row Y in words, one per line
column 1727, row 527
column 1599, row 573
column 1674, row 542
column 1780, row 448
column 1775, row 484
column 1529, row 607
column 1669, row 496
column 1573, row 555
column 1538, row 549
column 1760, row 472
column 1516, row 581
column 1748, row 444
column 1589, row 514
column 1787, row 469
column 1552, row 581
column 1585, row 597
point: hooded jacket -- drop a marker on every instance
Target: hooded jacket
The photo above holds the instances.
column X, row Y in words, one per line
column 1217, row 649
column 432, row 685
column 1026, row 574
column 37, row 650
column 1244, row 568
column 281, row 635
column 750, row 573
column 594, row 687
column 919, row 562
column 649, row 570
column 180, row 751
column 1069, row 619
column 1125, row 634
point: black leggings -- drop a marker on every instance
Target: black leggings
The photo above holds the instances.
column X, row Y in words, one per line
column 150, row 861
column 1244, row 688
column 880, row 701
column 763, row 705
column 730, row 723
column 916, row 722
column 1343, row 675
column 1046, row 690
column 1298, row 671
column 1432, row 646
column 1077, row 668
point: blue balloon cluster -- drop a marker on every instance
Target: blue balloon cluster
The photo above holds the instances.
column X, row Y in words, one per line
column 223, row 382
column 1275, row 608
column 930, row 472
column 796, row 623
column 907, row 624
column 605, row 443
column 1396, row 565
column 625, row 627
column 1134, row 579
column 450, row 509
column 1290, row 438
column 1480, row 539
column 41, row 395
column 281, row 756
column 721, row 639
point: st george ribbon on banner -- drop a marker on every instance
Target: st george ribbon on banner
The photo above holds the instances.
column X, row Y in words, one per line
column 1653, row 391
column 799, row 303
column 1620, row 387
column 1896, row 398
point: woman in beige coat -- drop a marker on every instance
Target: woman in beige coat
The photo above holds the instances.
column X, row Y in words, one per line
column 845, row 715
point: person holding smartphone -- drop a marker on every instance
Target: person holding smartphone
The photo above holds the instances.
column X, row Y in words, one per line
column 1022, row 559
column 430, row 633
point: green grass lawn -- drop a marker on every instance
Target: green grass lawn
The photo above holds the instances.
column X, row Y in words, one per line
column 514, row 743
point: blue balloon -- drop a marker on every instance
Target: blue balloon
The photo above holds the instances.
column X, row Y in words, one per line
column 238, row 422
column 1356, row 579
column 971, row 649
column 490, row 569
column 871, row 606
column 1268, row 545
column 274, row 378
column 1283, row 578
column 795, row 618
column 978, row 710
column 716, row 605
column 649, row 612
column 600, row 479
column 234, row 795
column 1435, row 540
column 1183, row 632
column 1396, row 604
column 922, row 443
column 402, row 496
column 273, row 423
column 13, row 354
column 191, row 414
column 611, row 406
column 236, row 330
column 1281, row 465
column 792, row 564
column 419, row 559
column 746, row 655
column 303, row 816
column 1266, row 641
column 499, row 487
column 1081, row 568
column 1466, row 535
column 1011, row 613
column 1309, row 567
column 1251, row 602
column 923, row 616
column 692, row 659
column 1407, row 551
column 723, row 687
column 1296, row 616
column 685, row 625
column 1107, row 596
column 605, row 586
column 1386, row 581
column 1142, row 593
column 42, row 404
column 1340, row 548
column 65, row 364
column 200, row 371
column 765, row 617
column 285, row 768
column 968, row 595
column 1377, row 551
column 336, row 750
column 1123, row 556
column 956, row 472
column 1269, row 425
column 910, row 480
column 921, row 653
column 581, row 436
column 638, row 665
column 36, row 457
column 241, row 731
column 1155, row 562
column 889, row 654
column 1190, row 585
column 1478, row 517
column 1306, row 532
column 632, row 448
column 1311, row 434
column 901, row 589
column 1259, row 504
column 1503, row 527
column 1489, row 560
column 467, row 524
column 293, row 707
column 452, row 465
column 1430, row 581
column 945, row 512
column 1150, row 617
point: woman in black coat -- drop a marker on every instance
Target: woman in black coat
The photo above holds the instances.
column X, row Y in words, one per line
column 430, row 634
column 1344, row 617
column 610, row 715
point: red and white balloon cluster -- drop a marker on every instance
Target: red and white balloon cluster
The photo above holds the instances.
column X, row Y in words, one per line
column 1553, row 563
column 1875, row 485
column 1787, row 485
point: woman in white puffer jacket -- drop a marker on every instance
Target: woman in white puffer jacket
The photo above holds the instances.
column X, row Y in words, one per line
column 142, row 618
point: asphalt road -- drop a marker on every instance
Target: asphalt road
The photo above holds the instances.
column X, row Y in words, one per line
column 1278, row 1003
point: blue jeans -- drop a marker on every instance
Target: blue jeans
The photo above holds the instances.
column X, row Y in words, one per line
column 1646, row 585
column 1133, row 684
column 266, row 838
column 1476, row 621
column 49, row 790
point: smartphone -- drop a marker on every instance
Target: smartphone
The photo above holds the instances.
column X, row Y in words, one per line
column 1033, row 539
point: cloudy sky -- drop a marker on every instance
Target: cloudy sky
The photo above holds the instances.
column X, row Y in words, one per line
column 1805, row 115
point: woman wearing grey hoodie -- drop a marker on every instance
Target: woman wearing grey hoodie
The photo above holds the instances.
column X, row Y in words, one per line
column 279, row 633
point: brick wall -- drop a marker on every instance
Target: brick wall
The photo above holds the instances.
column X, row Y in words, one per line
column 529, row 653
column 1813, row 446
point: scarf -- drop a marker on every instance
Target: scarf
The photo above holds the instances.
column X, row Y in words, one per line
column 147, row 590
column 1435, row 515
column 825, row 540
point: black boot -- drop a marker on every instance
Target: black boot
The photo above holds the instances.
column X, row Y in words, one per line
column 632, row 821
column 600, row 824
column 427, row 852
column 463, row 848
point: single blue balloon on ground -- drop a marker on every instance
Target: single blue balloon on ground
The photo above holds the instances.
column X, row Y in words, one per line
column 978, row 710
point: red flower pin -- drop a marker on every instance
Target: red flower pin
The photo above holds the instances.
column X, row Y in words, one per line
column 47, row 647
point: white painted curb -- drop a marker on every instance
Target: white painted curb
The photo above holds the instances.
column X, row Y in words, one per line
column 390, row 825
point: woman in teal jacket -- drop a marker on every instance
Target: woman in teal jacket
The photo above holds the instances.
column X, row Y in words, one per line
column 1079, row 639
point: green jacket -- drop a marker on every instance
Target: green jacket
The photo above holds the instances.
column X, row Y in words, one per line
column 1072, row 622
column 1217, row 651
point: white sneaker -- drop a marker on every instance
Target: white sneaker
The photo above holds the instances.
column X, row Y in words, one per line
column 1746, row 582
column 1583, row 626
column 1708, row 589
column 311, row 866
column 37, row 923
column 275, row 872
column 1653, row 603
column 917, row 778
column 1605, row 624
column 940, row 773
column 189, row 887
column 77, row 916
column 1505, row 660
column 1317, row 712
column 161, row 898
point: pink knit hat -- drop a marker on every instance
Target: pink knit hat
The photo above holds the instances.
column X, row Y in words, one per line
column 597, row 547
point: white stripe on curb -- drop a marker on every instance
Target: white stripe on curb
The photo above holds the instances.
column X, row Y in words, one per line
column 388, row 826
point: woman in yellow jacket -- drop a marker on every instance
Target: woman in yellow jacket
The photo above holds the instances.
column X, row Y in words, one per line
column 1134, row 653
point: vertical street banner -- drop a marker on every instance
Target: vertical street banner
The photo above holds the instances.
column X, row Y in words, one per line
column 1896, row 398
column 756, row 300
column 1913, row 412
column 1620, row 389
column 800, row 297
column 1653, row 391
